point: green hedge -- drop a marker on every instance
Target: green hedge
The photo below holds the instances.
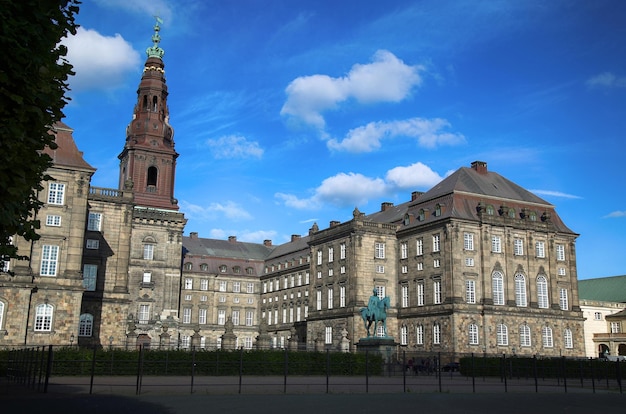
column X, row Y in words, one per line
column 79, row 361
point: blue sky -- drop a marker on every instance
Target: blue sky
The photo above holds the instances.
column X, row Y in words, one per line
column 291, row 112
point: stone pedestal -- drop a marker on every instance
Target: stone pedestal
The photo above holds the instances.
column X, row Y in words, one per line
column 385, row 346
column 229, row 339
column 264, row 340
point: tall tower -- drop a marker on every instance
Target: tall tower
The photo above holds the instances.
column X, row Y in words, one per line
column 148, row 161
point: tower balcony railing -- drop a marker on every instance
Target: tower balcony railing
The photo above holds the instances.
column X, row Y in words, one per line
column 108, row 193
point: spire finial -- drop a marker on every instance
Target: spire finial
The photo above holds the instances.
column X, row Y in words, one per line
column 155, row 50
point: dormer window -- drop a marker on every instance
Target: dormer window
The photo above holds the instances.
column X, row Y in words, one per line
column 422, row 215
column 511, row 213
column 437, row 210
column 490, row 210
column 223, row 269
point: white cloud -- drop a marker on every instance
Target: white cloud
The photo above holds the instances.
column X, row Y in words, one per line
column 100, row 62
column 607, row 80
column 234, row 146
column 386, row 79
column 413, row 176
column 353, row 189
column 229, row 209
column 551, row 193
column 616, row 214
column 428, row 132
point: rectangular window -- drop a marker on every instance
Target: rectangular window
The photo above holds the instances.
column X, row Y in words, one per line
column 561, row 271
column 379, row 250
column 560, row 252
column 436, row 263
column 518, row 247
column 524, row 335
column 469, row 261
column 468, row 241
column 470, row 291
column 222, row 286
column 90, row 276
column 186, row 315
column 404, row 335
column 144, row 314
column 419, row 335
column 318, row 299
column 615, row 327
column 53, row 220
column 237, row 287
column 188, row 284
column 420, row 293
column 436, row 243
column 94, row 222
column 420, row 247
column 221, row 317
column 420, row 266
column 250, row 288
column 568, row 339
column 546, row 336
column 235, row 317
column 563, row 302
column 330, row 298
column 49, row 260
column 56, row 193
column 473, row 334
column 436, row 334
column 496, row 244
column 204, row 284
column 437, row 292
column 342, row 251
column 319, row 257
column 202, row 316
column 597, row 316
column 342, row 296
column 380, row 269
column 43, row 317
column 249, row 318
column 148, row 251
column 502, row 335
column 404, row 269
column 540, row 250
column 328, row 337
column 497, row 286
column 331, row 254
column 405, row 296
column 92, row 244
column 404, row 250
column 330, row 272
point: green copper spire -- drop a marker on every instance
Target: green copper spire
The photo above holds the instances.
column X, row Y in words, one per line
column 155, row 50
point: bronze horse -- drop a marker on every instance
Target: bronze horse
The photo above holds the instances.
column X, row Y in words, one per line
column 375, row 315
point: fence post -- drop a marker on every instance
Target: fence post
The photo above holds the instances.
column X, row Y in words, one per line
column 473, row 376
column 139, row 370
column 286, row 371
column 404, row 368
column 618, row 375
column 41, row 367
column 367, row 385
column 564, row 368
column 93, row 369
column 535, row 373
column 327, row 369
column 193, row 366
column 438, row 368
column 593, row 375
column 582, row 376
column 48, row 369
column 503, row 366
column 240, row 368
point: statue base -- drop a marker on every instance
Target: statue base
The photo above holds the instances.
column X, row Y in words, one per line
column 385, row 346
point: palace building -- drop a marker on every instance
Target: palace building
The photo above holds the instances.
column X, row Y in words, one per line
column 476, row 264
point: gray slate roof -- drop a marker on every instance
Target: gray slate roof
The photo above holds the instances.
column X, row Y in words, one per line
column 606, row 289
column 226, row 248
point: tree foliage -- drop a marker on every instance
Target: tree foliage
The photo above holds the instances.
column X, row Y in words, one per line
column 33, row 84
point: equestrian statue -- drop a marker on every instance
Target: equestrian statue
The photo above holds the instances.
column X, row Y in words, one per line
column 375, row 312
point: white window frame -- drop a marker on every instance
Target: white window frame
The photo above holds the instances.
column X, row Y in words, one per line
column 437, row 291
column 342, row 251
column 404, row 250
column 560, row 253
column 470, row 291
column 221, row 317
column 342, row 296
column 518, row 247
column 419, row 244
column 250, row 287
column 94, row 222
column 420, row 293
column 404, row 335
column 405, row 295
column 502, row 335
column 496, row 244
column 379, row 250
column 540, row 249
column 436, row 334
column 223, row 285
column 236, row 317
column 330, row 297
column 143, row 316
column 319, row 257
column 148, row 251
column 472, row 333
column 204, row 284
column 468, row 241
column 331, row 254
column 90, row 277
column 249, row 318
column 543, row 300
column 546, row 337
column 524, row 336
column 563, row 299
column 92, row 244
column 318, row 299
column 53, row 220
column 419, row 335
column 202, row 315
column 85, row 325
column 188, row 283
column 521, row 299
column 497, row 287
column 186, row 315
column 568, row 339
column 436, row 243
column 237, row 287
column 56, row 193
column 43, row 317
column 49, row 260
column 328, row 335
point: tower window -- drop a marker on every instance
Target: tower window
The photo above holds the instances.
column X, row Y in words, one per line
column 154, row 103
column 152, row 176
column 145, row 102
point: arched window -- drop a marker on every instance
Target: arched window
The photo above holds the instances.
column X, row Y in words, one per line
column 85, row 326
column 520, row 290
column 437, row 210
column 1, row 314
column 502, row 334
column 144, row 104
column 155, row 102
column 419, row 334
column 43, row 318
column 188, row 266
column 568, row 339
column 473, row 334
column 497, row 286
column 542, row 292
column 404, row 335
column 152, row 176
column 524, row 335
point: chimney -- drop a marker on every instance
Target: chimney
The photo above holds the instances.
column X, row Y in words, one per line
column 385, row 206
column 415, row 195
column 295, row 237
column 232, row 239
column 267, row 243
column 480, row 167
column 193, row 235
column 334, row 223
